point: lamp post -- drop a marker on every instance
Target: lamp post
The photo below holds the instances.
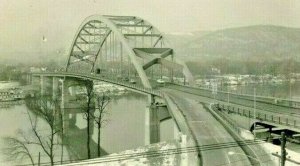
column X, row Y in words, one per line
column 227, row 94
column 214, row 90
column 254, row 110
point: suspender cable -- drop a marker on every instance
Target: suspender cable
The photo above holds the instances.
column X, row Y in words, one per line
column 110, row 52
column 106, row 54
column 121, row 58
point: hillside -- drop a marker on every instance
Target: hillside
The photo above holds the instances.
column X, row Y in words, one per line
column 261, row 41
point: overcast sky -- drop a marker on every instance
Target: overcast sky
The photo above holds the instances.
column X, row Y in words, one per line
column 23, row 23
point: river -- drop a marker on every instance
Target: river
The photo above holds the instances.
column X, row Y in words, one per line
column 124, row 130
column 126, row 126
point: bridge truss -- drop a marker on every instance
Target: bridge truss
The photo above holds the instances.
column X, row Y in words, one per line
column 124, row 47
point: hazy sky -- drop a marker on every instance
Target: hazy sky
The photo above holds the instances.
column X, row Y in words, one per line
column 23, row 23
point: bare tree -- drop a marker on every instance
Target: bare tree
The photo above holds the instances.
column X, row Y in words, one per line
column 88, row 108
column 16, row 149
column 100, row 114
column 45, row 108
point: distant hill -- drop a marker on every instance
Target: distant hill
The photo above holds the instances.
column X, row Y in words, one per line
column 261, row 41
column 179, row 39
column 242, row 43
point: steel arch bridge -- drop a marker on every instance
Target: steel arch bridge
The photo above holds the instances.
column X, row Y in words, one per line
column 124, row 46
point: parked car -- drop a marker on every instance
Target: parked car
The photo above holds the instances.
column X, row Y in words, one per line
column 132, row 81
column 160, row 81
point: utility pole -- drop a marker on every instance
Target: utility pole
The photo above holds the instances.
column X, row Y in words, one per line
column 282, row 158
column 227, row 94
column 39, row 160
column 254, row 109
column 283, row 150
column 214, row 89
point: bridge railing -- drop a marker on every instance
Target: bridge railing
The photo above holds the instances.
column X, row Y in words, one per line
column 227, row 120
column 258, row 98
column 107, row 79
column 268, row 117
column 12, row 96
column 235, row 132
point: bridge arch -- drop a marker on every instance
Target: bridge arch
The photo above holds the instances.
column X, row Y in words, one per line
column 109, row 37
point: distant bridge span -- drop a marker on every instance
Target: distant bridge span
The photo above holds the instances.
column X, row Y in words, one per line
column 94, row 77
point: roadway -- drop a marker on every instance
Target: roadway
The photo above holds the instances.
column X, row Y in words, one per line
column 207, row 130
column 264, row 108
column 236, row 99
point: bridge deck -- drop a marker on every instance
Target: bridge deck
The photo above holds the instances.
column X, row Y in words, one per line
column 274, row 113
column 243, row 100
column 96, row 77
column 208, row 131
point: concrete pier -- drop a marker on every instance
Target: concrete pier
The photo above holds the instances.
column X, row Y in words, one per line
column 152, row 126
column 55, row 88
column 155, row 113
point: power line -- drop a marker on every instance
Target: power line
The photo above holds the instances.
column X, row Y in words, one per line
column 265, row 154
column 169, row 151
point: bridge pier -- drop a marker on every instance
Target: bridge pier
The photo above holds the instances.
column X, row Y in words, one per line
column 59, row 85
column 67, row 102
column 65, row 117
column 155, row 113
column 151, row 124
column 45, row 84
column 35, row 81
column 55, row 88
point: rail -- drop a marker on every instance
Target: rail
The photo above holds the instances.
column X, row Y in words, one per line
column 234, row 131
column 11, row 97
column 264, row 99
column 100, row 78
column 277, row 119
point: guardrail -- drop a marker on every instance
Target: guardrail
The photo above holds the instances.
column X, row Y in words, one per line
column 228, row 121
column 112, row 80
column 181, row 122
column 235, row 132
column 8, row 104
column 287, row 121
column 11, row 97
column 258, row 98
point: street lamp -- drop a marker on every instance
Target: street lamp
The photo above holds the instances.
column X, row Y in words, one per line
column 227, row 94
column 254, row 111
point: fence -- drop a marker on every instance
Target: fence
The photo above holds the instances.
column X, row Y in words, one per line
column 267, row 117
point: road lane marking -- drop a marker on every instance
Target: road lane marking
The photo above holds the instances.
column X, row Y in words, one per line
column 197, row 121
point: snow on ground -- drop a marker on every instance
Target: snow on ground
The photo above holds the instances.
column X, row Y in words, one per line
column 134, row 158
column 244, row 123
column 102, row 87
column 271, row 148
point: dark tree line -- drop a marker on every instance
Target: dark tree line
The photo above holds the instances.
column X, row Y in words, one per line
column 12, row 73
column 245, row 66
